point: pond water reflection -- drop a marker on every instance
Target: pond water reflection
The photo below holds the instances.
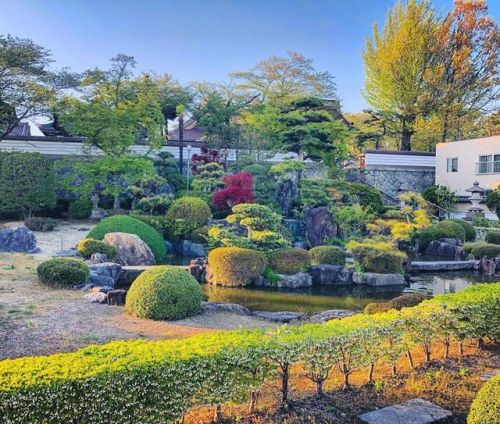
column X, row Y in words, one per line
column 333, row 297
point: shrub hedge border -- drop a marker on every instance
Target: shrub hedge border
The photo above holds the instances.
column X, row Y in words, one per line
column 158, row 381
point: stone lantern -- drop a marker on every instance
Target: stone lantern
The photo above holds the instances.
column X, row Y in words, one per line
column 475, row 198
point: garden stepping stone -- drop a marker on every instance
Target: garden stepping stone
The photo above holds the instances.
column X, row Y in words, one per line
column 284, row 317
column 414, row 411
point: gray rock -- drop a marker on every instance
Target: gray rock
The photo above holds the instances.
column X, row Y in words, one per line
column 287, row 193
column 331, row 275
column 414, row 411
column 169, row 247
column 116, row 297
column 98, row 258
column 446, row 248
column 106, row 269
column 283, row 317
column 188, row 248
column 225, row 307
column 103, row 289
column 129, row 274
column 294, row 281
column 131, row 250
column 299, row 244
column 96, row 297
column 374, row 279
column 319, row 226
column 432, row 266
column 296, row 228
column 85, row 287
column 328, row 315
column 18, row 239
column 67, row 253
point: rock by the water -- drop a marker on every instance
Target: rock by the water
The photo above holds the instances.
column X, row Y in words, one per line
column 188, row 248
column 106, row 269
column 433, row 266
column 131, row 250
column 330, row 275
column 283, row 317
column 116, row 297
column 374, row 279
column 19, row 239
column 98, row 258
column 198, row 269
column 96, row 297
column 446, row 248
column 289, row 281
column 414, row 411
column 330, row 314
column 169, row 247
column 225, row 307
column 319, row 226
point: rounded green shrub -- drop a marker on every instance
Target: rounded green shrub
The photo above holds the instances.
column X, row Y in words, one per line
column 470, row 231
column 486, row 250
column 451, row 229
column 377, row 256
column 127, row 224
column 375, row 308
column 485, row 408
column 330, row 255
column 493, row 237
column 289, row 260
column 407, row 300
column 88, row 246
column 236, row 266
column 164, row 292
column 63, row 272
column 81, row 208
column 186, row 215
column 154, row 205
column 35, row 223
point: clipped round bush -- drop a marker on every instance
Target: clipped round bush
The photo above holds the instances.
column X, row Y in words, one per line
column 35, row 223
column 486, row 250
column 127, row 224
column 375, row 308
column 88, row 246
column 485, row 408
column 407, row 300
column 492, row 237
column 470, row 231
column 289, row 260
column 154, row 205
column 236, row 266
column 63, row 272
column 451, row 229
column 164, row 292
column 377, row 256
column 330, row 255
column 187, row 214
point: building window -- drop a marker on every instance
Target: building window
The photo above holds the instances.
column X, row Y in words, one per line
column 452, row 165
column 488, row 164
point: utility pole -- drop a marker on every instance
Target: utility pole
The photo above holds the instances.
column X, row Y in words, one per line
column 180, row 111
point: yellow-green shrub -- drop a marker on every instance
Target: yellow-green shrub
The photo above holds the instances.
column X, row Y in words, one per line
column 289, row 260
column 164, row 292
column 407, row 300
column 235, row 266
column 486, row 406
column 186, row 215
column 377, row 256
column 377, row 307
column 63, row 272
column 88, row 246
column 331, row 255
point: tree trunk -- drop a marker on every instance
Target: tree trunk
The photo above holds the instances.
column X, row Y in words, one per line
column 461, row 348
column 181, row 142
column 410, row 360
column 116, row 203
column 444, row 130
column 254, row 398
column 370, row 373
column 446, row 348
column 427, row 351
column 405, row 140
column 480, row 343
column 218, row 414
column 284, row 383
column 394, row 370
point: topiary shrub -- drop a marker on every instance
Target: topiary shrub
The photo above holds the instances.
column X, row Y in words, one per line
column 493, row 237
column 289, row 260
column 485, row 408
column 470, row 231
column 40, row 224
column 377, row 256
column 127, row 224
column 486, row 250
column 186, row 215
column 88, row 246
column 375, row 308
column 407, row 300
column 236, row 266
column 154, row 205
column 330, row 255
column 81, row 208
column 63, row 272
column 164, row 292
column 451, row 229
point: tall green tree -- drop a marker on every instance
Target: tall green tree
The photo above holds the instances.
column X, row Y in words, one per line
column 396, row 60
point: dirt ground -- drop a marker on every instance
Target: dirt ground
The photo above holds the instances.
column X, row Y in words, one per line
column 36, row 320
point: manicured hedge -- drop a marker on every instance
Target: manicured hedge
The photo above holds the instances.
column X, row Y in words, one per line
column 127, row 224
column 235, row 266
column 330, row 255
column 158, row 381
column 490, row 251
column 470, row 231
column 443, row 229
column 377, row 256
column 289, row 260
column 36, row 223
column 63, row 272
column 486, row 406
column 493, row 237
column 88, row 246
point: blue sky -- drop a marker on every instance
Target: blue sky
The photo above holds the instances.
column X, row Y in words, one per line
column 206, row 39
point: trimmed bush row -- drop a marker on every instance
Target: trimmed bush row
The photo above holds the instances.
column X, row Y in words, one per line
column 63, row 272
column 235, row 266
column 289, row 260
column 127, row 224
column 376, row 256
column 330, row 255
column 158, row 381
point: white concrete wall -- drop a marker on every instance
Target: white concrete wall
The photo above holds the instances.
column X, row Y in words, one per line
column 467, row 152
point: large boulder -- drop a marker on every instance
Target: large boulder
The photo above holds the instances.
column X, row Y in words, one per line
column 19, row 239
column 131, row 250
column 287, row 193
column 449, row 248
column 188, row 248
column 374, row 279
column 105, row 274
column 330, row 275
column 319, row 226
column 288, row 281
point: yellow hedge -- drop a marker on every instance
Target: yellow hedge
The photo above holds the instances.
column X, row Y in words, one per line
column 289, row 260
column 235, row 266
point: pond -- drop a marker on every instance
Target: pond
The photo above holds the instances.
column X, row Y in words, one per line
column 354, row 297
